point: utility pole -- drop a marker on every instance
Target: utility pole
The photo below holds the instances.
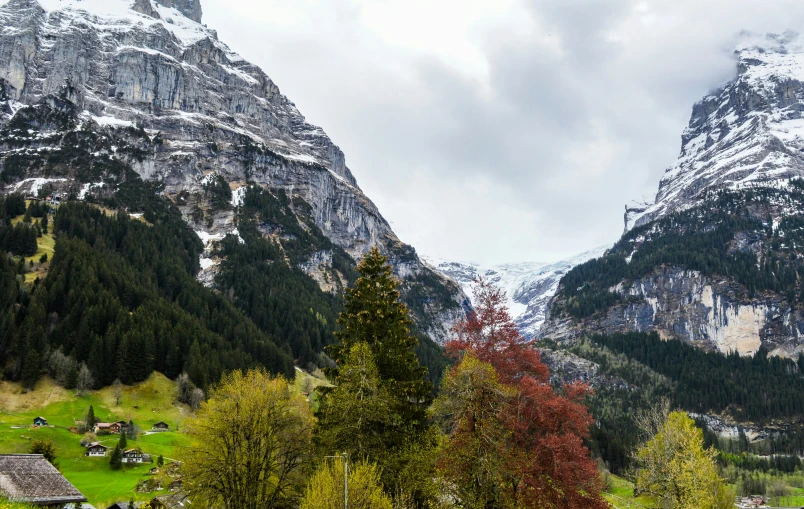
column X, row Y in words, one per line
column 345, row 481
column 345, row 457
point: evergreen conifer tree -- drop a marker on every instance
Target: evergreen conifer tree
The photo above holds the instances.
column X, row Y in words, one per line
column 373, row 314
column 90, row 419
column 116, row 460
column 357, row 413
column 123, row 442
column 30, row 369
column 381, row 394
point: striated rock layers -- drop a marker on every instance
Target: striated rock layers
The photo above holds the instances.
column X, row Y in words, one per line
column 684, row 304
column 143, row 70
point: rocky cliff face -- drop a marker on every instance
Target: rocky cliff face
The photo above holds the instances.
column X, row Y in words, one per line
column 715, row 258
column 149, row 75
column 527, row 286
column 708, row 311
column 748, row 133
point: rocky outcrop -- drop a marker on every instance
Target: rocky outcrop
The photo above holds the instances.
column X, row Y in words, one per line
column 190, row 8
column 144, row 69
column 741, row 156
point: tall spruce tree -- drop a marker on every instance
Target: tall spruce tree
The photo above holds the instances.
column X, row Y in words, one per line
column 373, row 314
column 377, row 365
column 116, row 460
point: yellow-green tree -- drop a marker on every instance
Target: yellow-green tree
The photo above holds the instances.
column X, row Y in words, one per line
column 325, row 489
column 676, row 470
column 251, row 443
column 474, row 459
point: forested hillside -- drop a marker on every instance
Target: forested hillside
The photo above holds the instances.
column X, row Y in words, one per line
column 121, row 295
column 637, row 370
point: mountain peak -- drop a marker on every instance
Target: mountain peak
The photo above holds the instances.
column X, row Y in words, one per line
column 747, row 134
column 770, row 56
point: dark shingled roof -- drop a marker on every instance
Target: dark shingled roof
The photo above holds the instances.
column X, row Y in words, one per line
column 31, row 478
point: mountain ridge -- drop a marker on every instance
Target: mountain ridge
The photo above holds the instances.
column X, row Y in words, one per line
column 748, row 133
column 147, row 70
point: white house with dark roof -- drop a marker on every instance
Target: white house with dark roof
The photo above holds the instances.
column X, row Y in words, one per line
column 96, row 449
column 31, row 479
column 135, row 456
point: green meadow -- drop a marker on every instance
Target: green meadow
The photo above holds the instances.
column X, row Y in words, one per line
column 145, row 404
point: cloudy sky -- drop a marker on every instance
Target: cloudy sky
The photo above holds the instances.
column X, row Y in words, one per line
column 500, row 130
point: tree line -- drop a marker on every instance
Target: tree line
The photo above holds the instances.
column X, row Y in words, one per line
column 754, row 388
column 498, row 435
column 121, row 297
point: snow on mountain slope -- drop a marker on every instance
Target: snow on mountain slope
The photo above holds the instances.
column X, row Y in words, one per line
column 528, row 286
column 749, row 133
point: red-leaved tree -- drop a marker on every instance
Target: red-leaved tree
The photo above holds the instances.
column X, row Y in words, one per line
column 546, row 464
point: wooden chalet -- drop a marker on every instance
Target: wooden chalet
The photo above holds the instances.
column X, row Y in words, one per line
column 40, row 421
column 108, row 427
column 173, row 501
column 161, row 426
column 96, row 450
column 31, row 479
column 135, row 456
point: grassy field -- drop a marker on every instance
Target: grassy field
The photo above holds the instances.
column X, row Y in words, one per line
column 620, row 494
column 145, row 404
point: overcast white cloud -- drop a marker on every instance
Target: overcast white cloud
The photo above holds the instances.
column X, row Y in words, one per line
column 500, row 130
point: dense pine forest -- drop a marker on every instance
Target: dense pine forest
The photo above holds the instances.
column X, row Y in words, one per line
column 121, row 297
column 758, row 389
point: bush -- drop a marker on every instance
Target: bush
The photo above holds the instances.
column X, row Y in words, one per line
column 46, row 448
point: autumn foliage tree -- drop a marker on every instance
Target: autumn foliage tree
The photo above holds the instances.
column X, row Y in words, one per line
column 544, row 463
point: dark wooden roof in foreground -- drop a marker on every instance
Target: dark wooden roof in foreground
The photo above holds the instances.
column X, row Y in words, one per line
column 31, row 478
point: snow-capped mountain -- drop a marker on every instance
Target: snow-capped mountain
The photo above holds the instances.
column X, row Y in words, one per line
column 162, row 95
column 528, row 286
column 749, row 133
column 715, row 259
